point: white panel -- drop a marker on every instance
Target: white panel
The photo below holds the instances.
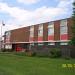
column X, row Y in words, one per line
column 8, row 46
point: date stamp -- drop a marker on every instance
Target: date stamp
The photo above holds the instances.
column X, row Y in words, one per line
column 68, row 65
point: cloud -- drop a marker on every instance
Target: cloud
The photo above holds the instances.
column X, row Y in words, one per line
column 23, row 17
column 41, row 14
column 28, row 1
column 65, row 3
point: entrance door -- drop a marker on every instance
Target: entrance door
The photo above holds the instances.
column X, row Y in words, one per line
column 21, row 47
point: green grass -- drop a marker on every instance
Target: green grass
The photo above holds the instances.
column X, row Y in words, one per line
column 11, row 64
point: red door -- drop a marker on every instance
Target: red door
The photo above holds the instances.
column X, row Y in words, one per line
column 18, row 48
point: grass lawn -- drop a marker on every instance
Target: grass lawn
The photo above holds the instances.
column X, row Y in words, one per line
column 11, row 64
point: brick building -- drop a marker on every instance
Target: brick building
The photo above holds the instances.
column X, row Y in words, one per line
column 40, row 37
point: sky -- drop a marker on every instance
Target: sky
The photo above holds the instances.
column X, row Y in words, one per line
column 22, row 13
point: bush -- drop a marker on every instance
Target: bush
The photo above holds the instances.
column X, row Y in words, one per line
column 55, row 52
column 40, row 54
column 30, row 53
column 6, row 50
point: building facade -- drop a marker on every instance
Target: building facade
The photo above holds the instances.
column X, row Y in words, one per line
column 39, row 37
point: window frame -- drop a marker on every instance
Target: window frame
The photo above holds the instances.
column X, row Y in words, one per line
column 63, row 43
column 32, row 31
column 63, row 27
column 51, row 43
column 40, row 30
column 51, row 28
column 40, row 44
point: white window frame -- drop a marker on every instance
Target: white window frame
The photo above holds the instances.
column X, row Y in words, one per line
column 32, row 31
column 40, row 30
column 63, row 27
column 51, row 28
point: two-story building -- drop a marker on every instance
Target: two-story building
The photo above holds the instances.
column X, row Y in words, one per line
column 40, row 37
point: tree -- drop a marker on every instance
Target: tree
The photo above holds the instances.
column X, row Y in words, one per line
column 72, row 42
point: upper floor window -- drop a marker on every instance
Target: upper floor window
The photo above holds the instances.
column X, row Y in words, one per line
column 32, row 31
column 51, row 28
column 7, row 34
column 40, row 30
column 63, row 27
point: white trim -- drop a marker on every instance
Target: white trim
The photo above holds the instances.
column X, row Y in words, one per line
column 38, row 41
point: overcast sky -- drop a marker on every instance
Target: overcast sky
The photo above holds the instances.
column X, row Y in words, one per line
column 19, row 13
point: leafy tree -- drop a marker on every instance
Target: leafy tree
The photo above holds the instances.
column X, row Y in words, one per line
column 72, row 42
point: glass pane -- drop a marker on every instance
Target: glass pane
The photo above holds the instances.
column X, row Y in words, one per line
column 51, row 43
column 63, row 43
column 63, row 30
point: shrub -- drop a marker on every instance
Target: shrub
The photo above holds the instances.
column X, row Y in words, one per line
column 6, row 50
column 55, row 52
column 30, row 53
column 40, row 54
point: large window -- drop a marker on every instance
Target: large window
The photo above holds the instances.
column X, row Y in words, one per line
column 40, row 30
column 51, row 28
column 51, row 43
column 63, row 27
column 63, row 43
column 7, row 34
column 40, row 44
column 32, row 31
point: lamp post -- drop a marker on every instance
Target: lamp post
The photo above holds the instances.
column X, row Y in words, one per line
column 1, row 34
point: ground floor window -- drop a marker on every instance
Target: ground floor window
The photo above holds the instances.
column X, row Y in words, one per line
column 40, row 44
column 51, row 43
column 32, row 44
column 8, row 46
column 63, row 43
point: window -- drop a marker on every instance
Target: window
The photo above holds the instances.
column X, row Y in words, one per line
column 7, row 34
column 32, row 31
column 64, row 43
column 40, row 44
column 32, row 44
column 63, row 30
column 51, row 28
column 63, row 27
column 40, row 30
column 51, row 43
column 8, row 46
column 74, row 9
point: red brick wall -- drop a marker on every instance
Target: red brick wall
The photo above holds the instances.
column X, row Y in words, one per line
column 35, row 32
column 69, row 23
column 45, row 32
column 57, row 30
column 23, row 34
column 20, row 35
